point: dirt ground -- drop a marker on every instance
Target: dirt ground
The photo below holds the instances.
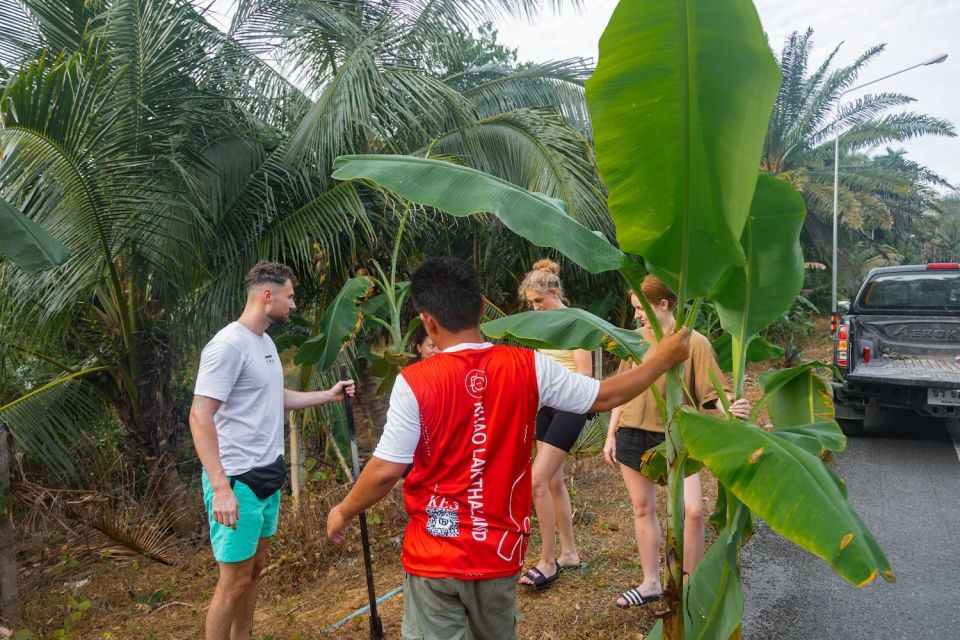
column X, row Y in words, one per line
column 309, row 585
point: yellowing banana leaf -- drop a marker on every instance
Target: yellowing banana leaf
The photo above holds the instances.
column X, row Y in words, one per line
column 751, row 296
column 339, row 323
column 567, row 329
column 789, row 488
column 462, row 191
column 680, row 103
column 27, row 244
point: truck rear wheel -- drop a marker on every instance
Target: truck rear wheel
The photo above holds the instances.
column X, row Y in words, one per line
column 852, row 428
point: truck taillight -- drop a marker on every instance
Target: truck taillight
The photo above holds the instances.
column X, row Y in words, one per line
column 843, row 333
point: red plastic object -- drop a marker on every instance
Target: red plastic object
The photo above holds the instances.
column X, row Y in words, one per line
column 866, row 355
column 943, row 265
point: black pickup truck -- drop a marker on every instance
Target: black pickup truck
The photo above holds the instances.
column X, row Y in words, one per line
column 899, row 346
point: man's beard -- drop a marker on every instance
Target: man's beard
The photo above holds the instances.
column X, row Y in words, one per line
column 277, row 319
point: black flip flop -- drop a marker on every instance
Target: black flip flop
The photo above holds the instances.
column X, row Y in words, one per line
column 635, row 599
column 540, row 581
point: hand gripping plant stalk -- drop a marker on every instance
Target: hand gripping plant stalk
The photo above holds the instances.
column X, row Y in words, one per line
column 376, row 626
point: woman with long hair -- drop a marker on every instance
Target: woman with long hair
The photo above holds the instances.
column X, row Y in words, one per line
column 637, row 426
column 556, row 432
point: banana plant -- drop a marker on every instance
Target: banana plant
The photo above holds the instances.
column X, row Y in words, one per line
column 680, row 103
column 26, row 243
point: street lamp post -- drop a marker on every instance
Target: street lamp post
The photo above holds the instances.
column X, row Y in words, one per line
column 836, row 172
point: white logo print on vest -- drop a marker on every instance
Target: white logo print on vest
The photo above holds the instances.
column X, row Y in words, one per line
column 476, row 382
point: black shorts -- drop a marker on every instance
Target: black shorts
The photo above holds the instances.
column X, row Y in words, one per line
column 633, row 443
column 560, row 428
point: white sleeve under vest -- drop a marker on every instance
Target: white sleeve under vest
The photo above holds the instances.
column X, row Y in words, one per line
column 559, row 388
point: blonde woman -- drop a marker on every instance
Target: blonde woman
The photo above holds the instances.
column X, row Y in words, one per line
column 556, row 432
column 636, row 427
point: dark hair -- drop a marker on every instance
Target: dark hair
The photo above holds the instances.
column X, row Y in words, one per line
column 266, row 272
column 417, row 337
column 448, row 289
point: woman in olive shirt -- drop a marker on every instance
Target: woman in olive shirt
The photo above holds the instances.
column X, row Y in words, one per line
column 637, row 426
column 556, row 432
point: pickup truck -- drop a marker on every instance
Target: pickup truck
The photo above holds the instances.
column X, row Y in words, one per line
column 899, row 345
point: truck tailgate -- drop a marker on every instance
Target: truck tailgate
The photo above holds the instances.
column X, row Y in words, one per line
column 915, row 351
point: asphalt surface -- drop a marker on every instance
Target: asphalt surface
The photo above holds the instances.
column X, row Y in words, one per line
column 903, row 478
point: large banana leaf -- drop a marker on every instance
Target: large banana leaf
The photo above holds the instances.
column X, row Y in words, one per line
column 26, row 243
column 567, row 328
column 462, row 191
column 680, row 103
column 800, row 405
column 339, row 323
column 790, row 489
column 750, row 297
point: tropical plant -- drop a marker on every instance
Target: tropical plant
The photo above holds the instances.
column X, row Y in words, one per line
column 691, row 80
column 168, row 156
column 885, row 192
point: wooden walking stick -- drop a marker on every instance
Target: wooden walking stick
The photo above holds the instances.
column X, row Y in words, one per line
column 376, row 626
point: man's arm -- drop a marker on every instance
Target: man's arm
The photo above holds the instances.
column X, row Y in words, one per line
column 294, row 400
column 619, row 389
column 376, row 480
column 204, row 434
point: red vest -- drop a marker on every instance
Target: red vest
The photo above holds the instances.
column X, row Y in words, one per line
column 469, row 493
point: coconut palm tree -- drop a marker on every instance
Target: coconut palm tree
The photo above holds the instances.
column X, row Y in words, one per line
column 168, row 156
column 875, row 192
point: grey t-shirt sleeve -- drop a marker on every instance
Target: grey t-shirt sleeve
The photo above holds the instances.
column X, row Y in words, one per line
column 220, row 365
column 562, row 389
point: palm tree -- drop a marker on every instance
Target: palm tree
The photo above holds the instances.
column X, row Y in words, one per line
column 876, row 193
column 168, row 157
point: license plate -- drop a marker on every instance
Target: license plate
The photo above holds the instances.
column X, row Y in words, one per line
column 943, row 396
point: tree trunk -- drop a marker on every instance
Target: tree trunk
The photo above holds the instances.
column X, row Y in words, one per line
column 9, row 597
column 151, row 419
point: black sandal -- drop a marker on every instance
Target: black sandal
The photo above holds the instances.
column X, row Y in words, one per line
column 634, row 598
column 539, row 581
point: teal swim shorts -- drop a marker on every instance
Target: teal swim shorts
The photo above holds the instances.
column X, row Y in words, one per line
column 256, row 519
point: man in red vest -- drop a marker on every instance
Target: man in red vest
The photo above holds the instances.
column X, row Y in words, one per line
column 465, row 418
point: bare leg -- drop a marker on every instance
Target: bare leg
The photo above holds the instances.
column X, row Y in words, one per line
column 646, row 528
column 563, row 517
column 235, row 580
column 243, row 615
column 693, row 528
column 549, row 459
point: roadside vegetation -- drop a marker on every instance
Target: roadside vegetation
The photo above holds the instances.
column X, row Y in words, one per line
column 164, row 156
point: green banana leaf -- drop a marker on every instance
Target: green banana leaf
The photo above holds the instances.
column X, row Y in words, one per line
column 567, row 328
column 27, row 244
column 339, row 323
column 462, row 191
column 816, row 409
column 713, row 605
column 653, row 464
column 816, row 438
column 789, row 488
column 750, row 297
column 680, row 103
column 758, row 350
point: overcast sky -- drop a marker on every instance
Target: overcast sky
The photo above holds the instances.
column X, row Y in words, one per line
column 913, row 30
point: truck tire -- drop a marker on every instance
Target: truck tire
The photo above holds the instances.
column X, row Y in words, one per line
column 852, row 428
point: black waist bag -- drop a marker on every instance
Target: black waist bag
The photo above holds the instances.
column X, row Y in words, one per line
column 264, row 481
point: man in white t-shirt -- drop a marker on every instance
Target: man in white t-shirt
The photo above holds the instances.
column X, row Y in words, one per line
column 237, row 426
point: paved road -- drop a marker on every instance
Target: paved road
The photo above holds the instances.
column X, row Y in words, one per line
column 906, row 487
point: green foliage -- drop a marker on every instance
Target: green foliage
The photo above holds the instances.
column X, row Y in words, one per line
column 339, row 323
column 26, row 243
column 750, row 297
column 708, row 82
column 765, row 472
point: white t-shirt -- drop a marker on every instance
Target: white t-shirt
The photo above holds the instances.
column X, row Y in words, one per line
column 243, row 370
column 559, row 389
